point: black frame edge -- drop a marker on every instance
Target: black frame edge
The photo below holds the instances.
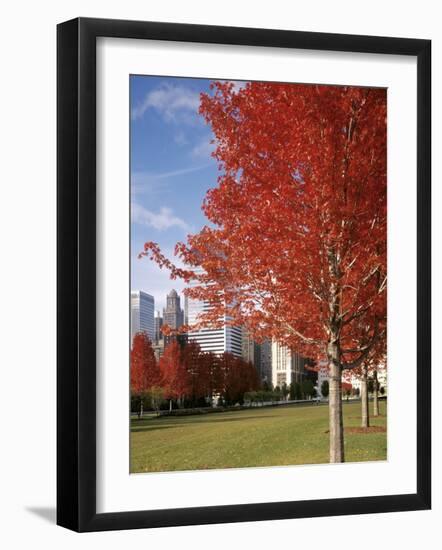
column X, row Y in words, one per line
column 67, row 269
column 250, row 36
column 254, row 512
column 424, row 274
column 76, row 272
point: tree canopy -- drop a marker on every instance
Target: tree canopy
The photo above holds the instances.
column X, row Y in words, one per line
column 296, row 245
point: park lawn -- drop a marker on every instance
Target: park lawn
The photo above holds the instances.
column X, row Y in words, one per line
column 271, row 436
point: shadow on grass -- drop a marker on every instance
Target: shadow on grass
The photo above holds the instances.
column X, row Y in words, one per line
column 176, row 422
column 150, row 428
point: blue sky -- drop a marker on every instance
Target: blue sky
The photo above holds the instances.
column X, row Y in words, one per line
column 171, row 171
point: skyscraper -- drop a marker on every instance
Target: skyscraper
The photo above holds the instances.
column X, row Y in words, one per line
column 142, row 314
column 251, row 351
column 287, row 366
column 217, row 340
column 173, row 315
column 186, row 310
column 266, row 360
column 158, row 324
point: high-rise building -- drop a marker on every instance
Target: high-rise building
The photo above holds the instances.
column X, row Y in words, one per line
column 266, row 361
column 142, row 307
column 251, row 351
column 216, row 340
column 287, row 366
column 158, row 320
column 173, row 315
column 186, row 310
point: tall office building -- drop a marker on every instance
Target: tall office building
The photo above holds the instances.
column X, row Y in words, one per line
column 287, row 366
column 251, row 351
column 266, row 361
column 142, row 314
column 186, row 310
column 218, row 340
column 158, row 320
column 173, row 315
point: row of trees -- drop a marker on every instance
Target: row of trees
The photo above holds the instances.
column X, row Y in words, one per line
column 294, row 391
column 369, row 385
column 299, row 390
column 187, row 376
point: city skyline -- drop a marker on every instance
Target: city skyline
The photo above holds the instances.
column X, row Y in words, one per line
column 274, row 363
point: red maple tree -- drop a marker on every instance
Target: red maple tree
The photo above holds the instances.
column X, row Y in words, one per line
column 175, row 379
column 296, row 248
column 213, row 373
column 196, row 371
column 144, row 371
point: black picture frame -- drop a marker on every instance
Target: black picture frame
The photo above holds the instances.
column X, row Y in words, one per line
column 76, row 274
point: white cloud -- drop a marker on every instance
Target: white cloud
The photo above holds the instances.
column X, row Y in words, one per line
column 173, row 103
column 180, row 139
column 147, row 182
column 162, row 220
column 170, row 174
column 203, row 149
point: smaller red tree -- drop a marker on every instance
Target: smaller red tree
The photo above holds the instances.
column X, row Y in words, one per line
column 231, row 374
column 239, row 377
column 213, row 374
column 175, row 379
column 197, row 367
column 144, row 371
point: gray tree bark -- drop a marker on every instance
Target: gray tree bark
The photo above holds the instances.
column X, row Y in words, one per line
column 375, row 394
column 336, row 426
column 365, row 422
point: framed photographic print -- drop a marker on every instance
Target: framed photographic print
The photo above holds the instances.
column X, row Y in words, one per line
column 243, row 274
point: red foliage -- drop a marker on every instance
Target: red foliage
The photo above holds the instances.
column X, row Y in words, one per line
column 175, row 379
column 198, row 371
column 144, row 371
column 189, row 373
column 211, row 364
column 238, row 377
column 296, row 249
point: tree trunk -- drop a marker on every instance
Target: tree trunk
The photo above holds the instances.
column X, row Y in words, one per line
column 365, row 423
column 375, row 394
column 140, row 415
column 335, row 405
column 170, row 404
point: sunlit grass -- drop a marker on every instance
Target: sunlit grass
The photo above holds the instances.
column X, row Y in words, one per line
column 274, row 436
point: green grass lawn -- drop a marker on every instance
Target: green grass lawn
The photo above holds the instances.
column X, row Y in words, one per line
column 273, row 436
